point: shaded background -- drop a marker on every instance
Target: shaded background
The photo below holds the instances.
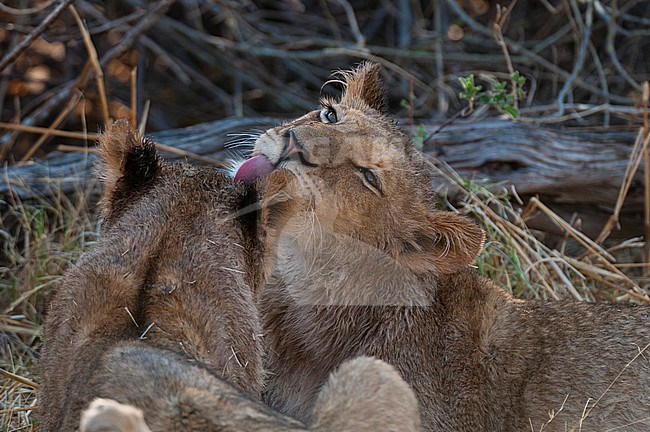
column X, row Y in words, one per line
column 201, row 60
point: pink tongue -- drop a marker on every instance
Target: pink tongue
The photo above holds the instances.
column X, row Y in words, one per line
column 254, row 168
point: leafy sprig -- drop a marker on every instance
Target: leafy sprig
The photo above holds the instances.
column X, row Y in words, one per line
column 504, row 99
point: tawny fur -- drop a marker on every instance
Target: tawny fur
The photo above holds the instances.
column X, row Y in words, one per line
column 358, row 269
column 161, row 312
column 107, row 415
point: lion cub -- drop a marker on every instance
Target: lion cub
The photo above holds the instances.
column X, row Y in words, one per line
column 149, row 321
column 362, row 263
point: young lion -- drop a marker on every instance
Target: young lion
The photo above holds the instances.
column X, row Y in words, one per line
column 163, row 308
column 362, row 263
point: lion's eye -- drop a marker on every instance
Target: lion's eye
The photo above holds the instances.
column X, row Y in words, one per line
column 328, row 115
column 370, row 178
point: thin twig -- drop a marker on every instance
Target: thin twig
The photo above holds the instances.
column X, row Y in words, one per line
column 639, row 354
column 577, row 235
column 602, row 77
column 609, row 46
column 145, row 116
column 8, row 142
column 497, row 26
column 352, row 21
column 638, row 151
column 18, row 378
column 582, row 54
column 76, row 149
column 134, row 95
column 55, row 124
column 160, row 53
column 26, row 11
column 94, row 61
column 57, row 132
column 439, row 56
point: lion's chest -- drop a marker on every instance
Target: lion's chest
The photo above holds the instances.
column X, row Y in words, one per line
column 307, row 343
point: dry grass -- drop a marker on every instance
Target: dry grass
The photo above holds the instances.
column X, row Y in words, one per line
column 39, row 240
column 575, row 267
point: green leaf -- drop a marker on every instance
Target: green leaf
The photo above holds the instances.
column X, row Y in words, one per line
column 518, row 78
column 418, row 138
column 467, row 82
column 484, row 97
column 514, row 112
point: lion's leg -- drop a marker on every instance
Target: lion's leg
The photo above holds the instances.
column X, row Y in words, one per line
column 175, row 394
column 366, row 394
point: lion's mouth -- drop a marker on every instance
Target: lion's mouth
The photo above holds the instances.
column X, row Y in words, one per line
column 256, row 167
column 261, row 166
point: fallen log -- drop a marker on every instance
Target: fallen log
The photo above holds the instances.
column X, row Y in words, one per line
column 68, row 172
column 572, row 170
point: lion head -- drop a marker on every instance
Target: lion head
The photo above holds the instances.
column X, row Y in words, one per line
column 348, row 193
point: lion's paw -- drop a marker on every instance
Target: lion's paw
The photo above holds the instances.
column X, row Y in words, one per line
column 107, row 415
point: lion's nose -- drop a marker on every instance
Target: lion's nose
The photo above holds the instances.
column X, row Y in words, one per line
column 293, row 146
column 295, row 150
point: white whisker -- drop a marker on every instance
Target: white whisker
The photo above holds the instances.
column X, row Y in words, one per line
column 233, row 162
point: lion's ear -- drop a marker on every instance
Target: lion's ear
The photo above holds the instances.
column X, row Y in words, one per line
column 364, row 83
column 447, row 243
column 129, row 162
